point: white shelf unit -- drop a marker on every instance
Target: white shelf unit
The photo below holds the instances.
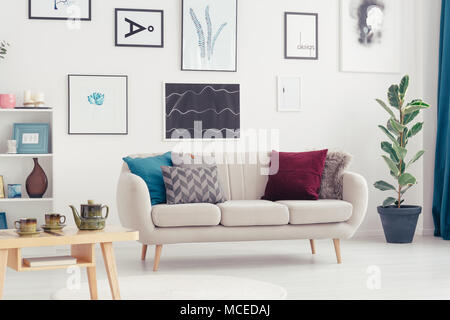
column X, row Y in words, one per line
column 15, row 168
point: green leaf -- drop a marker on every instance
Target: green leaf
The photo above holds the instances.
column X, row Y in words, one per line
column 415, row 129
column 414, row 106
column 410, row 117
column 391, row 129
column 385, row 107
column 389, row 201
column 397, row 125
column 403, row 86
column 393, row 96
column 390, row 136
column 406, row 179
column 384, row 186
column 387, row 147
column 416, row 157
column 392, row 166
column 401, row 152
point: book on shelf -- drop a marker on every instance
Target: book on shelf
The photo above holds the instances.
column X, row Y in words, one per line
column 49, row 261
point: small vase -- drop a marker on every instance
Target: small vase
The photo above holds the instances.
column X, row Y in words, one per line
column 37, row 182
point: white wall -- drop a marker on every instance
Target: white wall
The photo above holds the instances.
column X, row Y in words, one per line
column 339, row 108
column 431, row 30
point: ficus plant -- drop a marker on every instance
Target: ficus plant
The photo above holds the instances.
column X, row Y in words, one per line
column 399, row 129
column 3, row 48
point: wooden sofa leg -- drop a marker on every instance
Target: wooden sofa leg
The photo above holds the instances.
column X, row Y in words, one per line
column 313, row 246
column 158, row 250
column 337, row 248
column 144, row 252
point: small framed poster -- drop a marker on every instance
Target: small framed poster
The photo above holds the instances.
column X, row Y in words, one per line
column 59, row 9
column 3, row 223
column 98, row 104
column 289, row 94
column 2, row 188
column 31, row 137
column 209, row 35
column 301, row 39
column 139, row 28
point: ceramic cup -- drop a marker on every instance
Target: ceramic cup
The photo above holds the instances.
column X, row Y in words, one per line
column 26, row 225
column 54, row 219
column 7, row 101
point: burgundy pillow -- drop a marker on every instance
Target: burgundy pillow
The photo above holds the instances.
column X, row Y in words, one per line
column 299, row 175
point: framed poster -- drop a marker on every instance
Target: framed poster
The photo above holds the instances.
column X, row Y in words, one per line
column 370, row 36
column 209, row 35
column 2, row 188
column 59, row 9
column 3, row 223
column 289, row 94
column 139, row 28
column 301, row 35
column 31, row 137
column 194, row 111
column 98, row 104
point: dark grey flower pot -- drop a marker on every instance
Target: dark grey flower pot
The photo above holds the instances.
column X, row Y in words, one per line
column 399, row 224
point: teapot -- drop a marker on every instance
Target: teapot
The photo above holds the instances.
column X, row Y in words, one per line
column 91, row 216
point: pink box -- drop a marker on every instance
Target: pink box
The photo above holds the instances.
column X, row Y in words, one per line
column 7, row 101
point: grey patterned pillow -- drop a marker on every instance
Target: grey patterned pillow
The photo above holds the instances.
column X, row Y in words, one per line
column 192, row 185
column 332, row 180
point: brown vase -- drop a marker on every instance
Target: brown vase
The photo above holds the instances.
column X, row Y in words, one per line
column 37, row 182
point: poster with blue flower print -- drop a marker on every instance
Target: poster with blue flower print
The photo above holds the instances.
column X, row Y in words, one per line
column 209, row 35
column 98, row 104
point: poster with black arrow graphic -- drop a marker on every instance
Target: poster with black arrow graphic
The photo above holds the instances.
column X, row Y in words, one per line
column 139, row 28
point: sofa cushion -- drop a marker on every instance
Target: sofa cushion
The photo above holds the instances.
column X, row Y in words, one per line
column 321, row 211
column 295, row 176
column 237, row 213
column 332, row 185
column 149, row 169
column 186, row 215
column 192, row 185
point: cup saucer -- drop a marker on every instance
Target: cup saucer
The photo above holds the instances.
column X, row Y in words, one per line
column 34, row 233
column 53, row 227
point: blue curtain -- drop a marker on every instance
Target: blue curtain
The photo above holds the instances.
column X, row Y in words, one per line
column 441, row 201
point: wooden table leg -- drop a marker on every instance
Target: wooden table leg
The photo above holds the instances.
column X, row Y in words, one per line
column 3, row 265
column 92, row 278
column 111, row 269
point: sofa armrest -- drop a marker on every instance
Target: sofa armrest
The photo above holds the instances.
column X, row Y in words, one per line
column 356, row 192
column 134, row 204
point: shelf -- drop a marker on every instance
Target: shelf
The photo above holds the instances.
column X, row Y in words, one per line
column 23, row 155
column 26, row 200
column 26, row 110
column 80, row 263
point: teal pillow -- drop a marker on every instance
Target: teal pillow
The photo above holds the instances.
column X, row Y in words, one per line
column 149, row 169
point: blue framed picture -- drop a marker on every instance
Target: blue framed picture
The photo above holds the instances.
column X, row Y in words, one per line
column 14, row 191
column 31, row 137
column 3, row 223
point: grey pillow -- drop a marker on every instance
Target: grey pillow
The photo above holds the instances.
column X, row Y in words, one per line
column 332, row 177
column 192, row 185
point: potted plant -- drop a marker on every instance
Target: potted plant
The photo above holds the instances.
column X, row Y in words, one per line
column 3, row 49
column 399, row 220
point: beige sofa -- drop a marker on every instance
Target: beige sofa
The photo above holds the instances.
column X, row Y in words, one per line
column 244, row 217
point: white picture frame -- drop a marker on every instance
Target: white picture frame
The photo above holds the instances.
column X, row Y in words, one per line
column 289, row 93
column 60, row 9
column 301, row 35
column 374, row 48
column 98, row 105
column 209, row 35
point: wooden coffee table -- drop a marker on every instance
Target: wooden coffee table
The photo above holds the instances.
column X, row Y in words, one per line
column 82, row 248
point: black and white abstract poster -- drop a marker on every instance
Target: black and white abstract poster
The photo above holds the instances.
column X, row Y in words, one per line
column 370, row 35
column 139, row 28
column 202, row 111
column 59, row 9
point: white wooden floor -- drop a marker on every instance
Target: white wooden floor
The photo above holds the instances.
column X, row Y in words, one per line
column 417, row 271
